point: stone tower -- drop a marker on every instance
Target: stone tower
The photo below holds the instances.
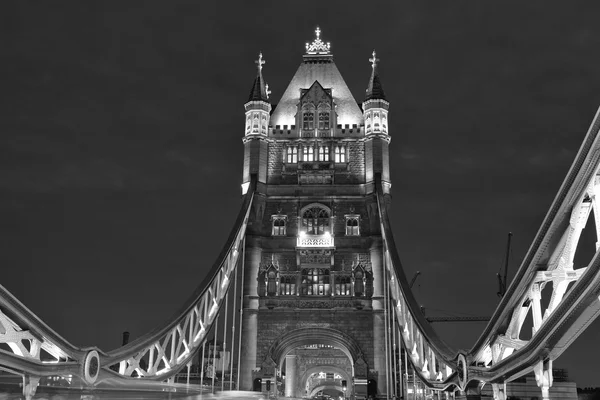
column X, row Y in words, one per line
column 313, row 316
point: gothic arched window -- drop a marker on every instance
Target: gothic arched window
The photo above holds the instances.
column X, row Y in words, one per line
column 278, row 226
column 324, row 120
column 352, row 226
column 324, row 153
column 315, row 220
column 308, row 120
column 340, row 154
column 292, row 155
column 308, row 153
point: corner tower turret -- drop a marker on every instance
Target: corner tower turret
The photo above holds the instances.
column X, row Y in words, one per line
column 258, row 111
column 375, row 111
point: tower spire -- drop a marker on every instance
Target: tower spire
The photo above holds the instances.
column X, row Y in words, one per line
column 259, row 91
column 374, row 89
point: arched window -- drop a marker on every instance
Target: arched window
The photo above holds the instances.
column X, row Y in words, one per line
column 352, row 226
column 292, row 155
column 279, row 226
column 340, row 154
column 343, row 286
column 308, row 153
column 315, row 282
column 324, row 120
column 315, row 220
column 271, row 283
column 308, row 120
column 324, row 153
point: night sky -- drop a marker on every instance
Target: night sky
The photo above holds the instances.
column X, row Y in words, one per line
column 121, row 151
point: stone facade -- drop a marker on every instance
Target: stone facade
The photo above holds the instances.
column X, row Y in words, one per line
column 313, row 274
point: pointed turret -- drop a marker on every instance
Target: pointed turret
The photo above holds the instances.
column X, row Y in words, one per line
column 375, row 111
column 259, row 89
column 258, row 111
column 374, row 89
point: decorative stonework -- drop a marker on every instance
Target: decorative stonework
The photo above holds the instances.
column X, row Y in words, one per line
column 315, row 241
column 315, row 256
column 318, row 46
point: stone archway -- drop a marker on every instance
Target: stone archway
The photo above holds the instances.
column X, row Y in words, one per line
column 287, row 342
column 337, row 385
column 313, row 335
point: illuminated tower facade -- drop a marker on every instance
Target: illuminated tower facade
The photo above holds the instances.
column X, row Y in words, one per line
column 313, row 315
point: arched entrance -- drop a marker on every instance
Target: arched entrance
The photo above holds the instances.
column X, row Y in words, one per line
column 313, row 361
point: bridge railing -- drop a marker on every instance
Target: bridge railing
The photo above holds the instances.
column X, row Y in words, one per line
column 432, row 359
column 28, row 347
column 553, row 297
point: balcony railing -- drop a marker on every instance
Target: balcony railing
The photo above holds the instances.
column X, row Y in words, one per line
column 325, row 240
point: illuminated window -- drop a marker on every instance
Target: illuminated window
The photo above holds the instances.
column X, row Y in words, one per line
column 279, row 225
column 324, row 120
column 324, row 153
column 292, row 155
column 287, row 287
column 340, row 154
column 315, row 220
column 308, row 153
column 343, row 286
column 315, row 282
column 308, row 122
column 352, row 226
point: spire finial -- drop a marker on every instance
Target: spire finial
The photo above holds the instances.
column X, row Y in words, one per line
column 260, row 62
column 374, row 60
column 318, row 46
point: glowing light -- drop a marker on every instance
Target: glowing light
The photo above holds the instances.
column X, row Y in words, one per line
column 245, row 187
column 327, row 235
column 225, row 280
column 302, row 233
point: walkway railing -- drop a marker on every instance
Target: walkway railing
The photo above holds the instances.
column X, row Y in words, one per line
column 30, row 348
column 562, row 298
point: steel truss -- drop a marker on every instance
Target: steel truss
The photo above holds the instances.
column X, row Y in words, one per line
column 33, row 350
column 561, row 300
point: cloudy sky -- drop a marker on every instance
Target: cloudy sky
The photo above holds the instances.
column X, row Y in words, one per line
column 121, row 153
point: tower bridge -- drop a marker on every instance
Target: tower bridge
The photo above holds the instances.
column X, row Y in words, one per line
column 309, row 296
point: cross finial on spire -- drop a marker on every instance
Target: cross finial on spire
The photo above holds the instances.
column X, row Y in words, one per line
column 260, row 61
column 374, row 60
column 318, row 46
